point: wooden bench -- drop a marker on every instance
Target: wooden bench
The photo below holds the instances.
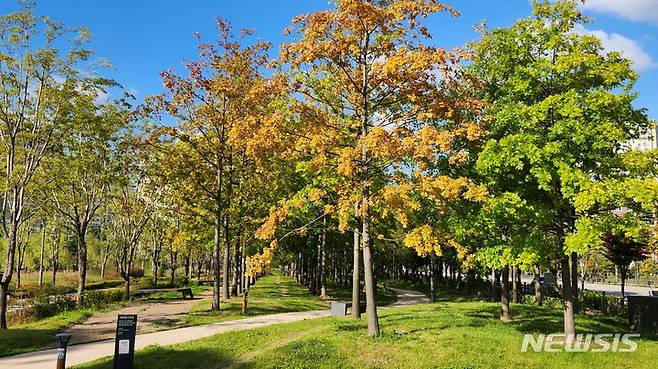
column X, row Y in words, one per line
column 185, row 291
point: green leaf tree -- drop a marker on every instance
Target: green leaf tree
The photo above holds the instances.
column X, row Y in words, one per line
column 561, row 111
column 38, row 77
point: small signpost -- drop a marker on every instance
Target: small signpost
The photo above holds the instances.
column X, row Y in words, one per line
column 124, row 345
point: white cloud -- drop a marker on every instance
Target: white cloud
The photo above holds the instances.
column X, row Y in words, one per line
column 635, row 10
column 626, row 46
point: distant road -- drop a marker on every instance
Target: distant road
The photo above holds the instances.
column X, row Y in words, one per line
column 610, row 289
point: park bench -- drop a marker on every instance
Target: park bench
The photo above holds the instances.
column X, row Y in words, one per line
column 342, row 308
column 185, row 291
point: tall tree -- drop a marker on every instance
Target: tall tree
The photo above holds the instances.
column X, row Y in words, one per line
column 131, row 212
column 561, row 109
column 614, row 212
column 37, row 78
column 222, row 91
column 369, row 97
column 82, row 168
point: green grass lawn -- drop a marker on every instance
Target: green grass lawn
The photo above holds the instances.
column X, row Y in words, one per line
column 276, row 293
column 270, row 295
column 39, row 334
column 448, row 334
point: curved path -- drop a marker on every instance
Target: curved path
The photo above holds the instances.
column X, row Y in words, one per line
column 83, row 353
column 408, row 297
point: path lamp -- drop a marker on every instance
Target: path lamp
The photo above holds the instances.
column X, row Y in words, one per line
column 63, row 339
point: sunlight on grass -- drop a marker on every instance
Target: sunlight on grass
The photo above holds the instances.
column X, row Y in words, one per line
column 441, row 335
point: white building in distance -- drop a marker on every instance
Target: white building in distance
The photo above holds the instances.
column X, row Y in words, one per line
column 648, row 141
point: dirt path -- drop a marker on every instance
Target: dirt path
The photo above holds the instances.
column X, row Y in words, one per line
column 153, row 316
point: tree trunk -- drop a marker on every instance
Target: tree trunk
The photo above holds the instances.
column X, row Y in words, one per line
column 243, row 271
column 567, row 300
column 235, row 279
column 226, row 259
column 623, row 273
column 22, row 248
column 188, row 270
column 126, row 286
column 19, row 267
column 322, row 265
column 432, row 287
column 155, row 262
column 515, row 285
column 82, row 266
column 574, row 280
column 5, row 279
column 103, row 264
column 495, row 281
column 173, row 261
column 356, row 284
column 216, row 262
column 539, row 298
column 42, row 254
column 217, row 242
column 55, row 259
column 583, row 274
column 4, row 292
column 504, row 296
column 371, row 307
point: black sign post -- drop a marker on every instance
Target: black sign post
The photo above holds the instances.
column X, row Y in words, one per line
column 124, row 345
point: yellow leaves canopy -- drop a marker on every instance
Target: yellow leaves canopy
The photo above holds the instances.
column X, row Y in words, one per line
column 424, row 240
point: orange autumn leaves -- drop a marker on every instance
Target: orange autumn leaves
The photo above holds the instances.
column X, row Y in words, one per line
column 373, row 102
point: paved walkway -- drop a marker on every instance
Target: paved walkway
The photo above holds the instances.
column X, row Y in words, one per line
column 408, row 297
column 79, row 354
column 83, row 353
column 611, row 289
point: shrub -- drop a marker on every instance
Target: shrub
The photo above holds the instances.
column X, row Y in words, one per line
column 45, row 306
column 102, row 298
column 587, row 300
column 136, row 273
column 104, row 284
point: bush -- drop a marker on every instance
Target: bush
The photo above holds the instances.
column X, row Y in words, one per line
column 45, row 306
column 593, row 300
column 33, row 292
column 136, row 273
column 548, row 301
column 587, row 300
column 102, row 298
column 104, row 285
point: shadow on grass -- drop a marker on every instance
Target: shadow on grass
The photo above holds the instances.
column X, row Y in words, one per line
column 537, row 319
column 159, row 357
column 16, row 341
column 304, row 353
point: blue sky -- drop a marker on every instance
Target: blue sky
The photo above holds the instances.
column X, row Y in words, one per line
column 142, row 38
